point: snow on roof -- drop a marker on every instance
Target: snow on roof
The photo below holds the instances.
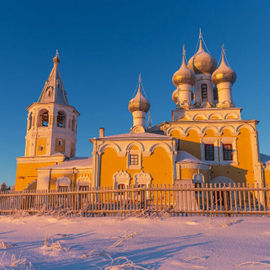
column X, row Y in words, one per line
column 185, row 157
column 142, row 135
column 79, row 163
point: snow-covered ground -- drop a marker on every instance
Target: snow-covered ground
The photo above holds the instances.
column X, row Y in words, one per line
column 44, row 242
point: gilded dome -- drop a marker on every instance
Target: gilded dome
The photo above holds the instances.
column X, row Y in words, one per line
column 139, row 102
column 202, row 62
column 223, row 73
column 183, row 75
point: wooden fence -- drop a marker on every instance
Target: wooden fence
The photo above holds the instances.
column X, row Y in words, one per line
column 185, row 199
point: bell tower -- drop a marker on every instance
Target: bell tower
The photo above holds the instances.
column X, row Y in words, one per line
column 51, row 130
column 52, row 122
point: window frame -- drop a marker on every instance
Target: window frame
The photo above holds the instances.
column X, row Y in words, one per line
column 206, row 151
column 129, row 163
column 233, row 142
column 215, row 142
column 227, row 151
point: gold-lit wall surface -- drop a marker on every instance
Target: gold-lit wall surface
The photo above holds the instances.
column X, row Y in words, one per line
column 241, row 171
column 159, row 165
column 27, row 173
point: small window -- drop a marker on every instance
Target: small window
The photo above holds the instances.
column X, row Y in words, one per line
column 61, row 118
column 204, row 91
column 134, row 159
column 209, row 152
column 41, row 148
column 60, row 142
column 227, row 152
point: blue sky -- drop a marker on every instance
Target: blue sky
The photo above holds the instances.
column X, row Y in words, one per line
column 104, row 45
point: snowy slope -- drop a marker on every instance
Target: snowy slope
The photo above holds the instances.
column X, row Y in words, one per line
column 41, row 242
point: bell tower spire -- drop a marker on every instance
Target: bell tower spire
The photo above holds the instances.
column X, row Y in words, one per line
column 53, row 90
column 52, row 121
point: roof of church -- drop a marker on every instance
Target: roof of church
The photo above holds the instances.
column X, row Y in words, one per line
column 142, row 135
column 78, row 163
column 53, row 90
column 185, row 157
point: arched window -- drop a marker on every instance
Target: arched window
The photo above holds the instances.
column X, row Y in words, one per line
column 61, row 119
column 30, row 121
column 204, row 91
column 43, row 118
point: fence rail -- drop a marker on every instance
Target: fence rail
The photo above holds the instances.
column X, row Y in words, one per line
column 208, row 199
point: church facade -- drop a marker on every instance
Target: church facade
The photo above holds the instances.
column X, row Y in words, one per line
column 206, row 141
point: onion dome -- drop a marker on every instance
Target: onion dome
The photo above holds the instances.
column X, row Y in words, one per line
column 183, row 75
column 223, row 73
column 201, row 61
column 139, row 102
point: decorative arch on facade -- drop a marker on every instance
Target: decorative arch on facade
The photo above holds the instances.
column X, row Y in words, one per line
column 214, row 116
column 63, row 182
column 199, row 116
column 114, row 146
column 212, row 128
column 194, row 128
column 43, row 118
column 179, row 129
column 231, row 128
column 137, row 144
column 121, row 178
column 163, row 145
column 231, row 116
column 247, row 126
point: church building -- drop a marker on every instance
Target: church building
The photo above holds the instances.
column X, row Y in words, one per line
column 206, row 141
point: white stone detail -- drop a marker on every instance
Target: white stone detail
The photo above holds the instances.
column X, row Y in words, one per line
column 63, row 181
column 121, row 177
column 142, row 178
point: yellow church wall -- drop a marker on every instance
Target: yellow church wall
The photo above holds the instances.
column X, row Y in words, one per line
column 60, row 145
column 159, row 165
column 188, row 173
column 267, row 177
column 55, row 176
column 41, row 142
column 27, row 148
column 191, row 143
column 242, row 172
column 72, row 176
column 27, row 173
column 110, row 163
